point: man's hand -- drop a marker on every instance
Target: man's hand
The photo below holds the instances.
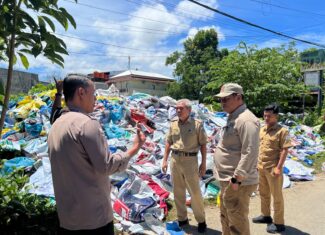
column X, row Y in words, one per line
column 276, row 171
column 59, row 85
column 140, row 138
column 234, row 186
column 164, row 166
column 202, row 169
column 138, row 141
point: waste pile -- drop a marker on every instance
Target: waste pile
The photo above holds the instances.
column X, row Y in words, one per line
column 139, row 194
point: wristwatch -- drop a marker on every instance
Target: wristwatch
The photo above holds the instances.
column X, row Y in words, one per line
column 235, row 181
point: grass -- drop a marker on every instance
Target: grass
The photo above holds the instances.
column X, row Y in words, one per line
column 172, row 216
column 210, row 202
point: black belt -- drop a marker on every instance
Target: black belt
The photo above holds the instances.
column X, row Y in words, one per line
column 185, row 154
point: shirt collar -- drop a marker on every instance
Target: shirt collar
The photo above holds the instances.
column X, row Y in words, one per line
column 274, row 127
column 187, row 121
column 75, row 109
column 238, row 111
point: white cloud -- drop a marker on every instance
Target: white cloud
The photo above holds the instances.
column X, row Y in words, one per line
column 130, row 30
column 194, row 11
column 136, row 31
column 313, row 37
column 193, row 31
column 74, row 44
column 271, row 43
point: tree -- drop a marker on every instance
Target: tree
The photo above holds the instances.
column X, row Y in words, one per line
column 22, row 34
column 192, row 64
column 267, row 75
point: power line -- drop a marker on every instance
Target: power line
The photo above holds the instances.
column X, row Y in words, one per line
column 138, row 31
column 186, row 12
column 232, row 6
column 122, row 13
column 98, row 8
column 255, row 25
column 103, row 55
column 287, row 8
column 133, row 26
column 164, row 32
column 138, row 2
column 103, row 43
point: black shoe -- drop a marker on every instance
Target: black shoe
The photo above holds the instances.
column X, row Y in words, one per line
column 262, row 220
column 202, row 227
column 183, row 223
column 275, row 228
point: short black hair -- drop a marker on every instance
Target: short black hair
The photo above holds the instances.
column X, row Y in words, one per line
column 272, row 107
column 71, row 83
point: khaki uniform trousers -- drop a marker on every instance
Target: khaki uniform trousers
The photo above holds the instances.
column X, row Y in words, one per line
column 185, row 174
column 234, row 208
column 271, row 185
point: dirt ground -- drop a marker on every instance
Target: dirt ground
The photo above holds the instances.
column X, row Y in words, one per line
column 304, row 211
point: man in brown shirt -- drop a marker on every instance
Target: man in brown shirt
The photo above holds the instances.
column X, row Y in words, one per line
column 236, row 160
column 274, row 144
column 81, row 162
column 185, row 138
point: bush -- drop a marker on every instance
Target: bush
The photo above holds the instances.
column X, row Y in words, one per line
column 312, row 118
column 40, row 88
column 22, row 212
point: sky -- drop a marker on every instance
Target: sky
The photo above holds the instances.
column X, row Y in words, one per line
column 112, row 33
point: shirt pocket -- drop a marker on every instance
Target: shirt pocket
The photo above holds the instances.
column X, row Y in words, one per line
column 230, row 137
column 273, row 142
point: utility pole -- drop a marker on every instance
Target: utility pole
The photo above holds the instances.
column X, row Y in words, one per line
column 129, row 63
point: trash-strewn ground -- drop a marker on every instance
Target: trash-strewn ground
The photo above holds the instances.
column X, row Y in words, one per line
column 27, row 125
column 304, row 211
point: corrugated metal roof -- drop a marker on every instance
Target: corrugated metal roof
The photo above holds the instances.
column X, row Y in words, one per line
column 141, row 73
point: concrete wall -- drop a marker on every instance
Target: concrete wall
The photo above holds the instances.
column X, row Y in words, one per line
column 148, row 87
column 101, row 85
column 21, row 81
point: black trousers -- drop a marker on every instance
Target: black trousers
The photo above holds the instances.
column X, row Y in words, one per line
column 108, row 229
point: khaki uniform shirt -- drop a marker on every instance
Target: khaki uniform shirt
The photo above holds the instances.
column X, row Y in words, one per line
column 237, row 150
column 272, row 141
column 81, row 164
column 188, row 136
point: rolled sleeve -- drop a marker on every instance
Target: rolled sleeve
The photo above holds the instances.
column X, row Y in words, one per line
column 94, row 142
column 249, row 136
column 169, row 138
column 285, row 141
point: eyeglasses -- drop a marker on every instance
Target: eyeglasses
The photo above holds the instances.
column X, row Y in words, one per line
column 227, row 98
column 180, row 108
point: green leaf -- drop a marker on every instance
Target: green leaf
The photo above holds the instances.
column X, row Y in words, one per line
column 24, row 60
column 41, row 22
column 27, row 19
column 5, row 9
column 70, row 18
column 49, row 22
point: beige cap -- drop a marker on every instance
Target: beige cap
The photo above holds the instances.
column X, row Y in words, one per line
column 230, row 88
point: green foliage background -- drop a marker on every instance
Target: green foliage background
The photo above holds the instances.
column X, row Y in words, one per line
column 23, row 212
column 267, row 75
